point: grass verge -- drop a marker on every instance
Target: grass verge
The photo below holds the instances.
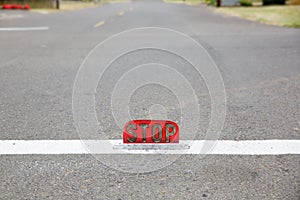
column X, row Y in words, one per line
column 189, row 2
column 76, row 5
column 68, row 6
column 73, row 5
column 115, row 1
column 288, row 16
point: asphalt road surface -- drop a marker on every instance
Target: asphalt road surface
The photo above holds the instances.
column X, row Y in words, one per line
column 40, row 55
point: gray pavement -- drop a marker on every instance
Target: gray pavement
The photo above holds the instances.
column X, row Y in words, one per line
column 260, row 67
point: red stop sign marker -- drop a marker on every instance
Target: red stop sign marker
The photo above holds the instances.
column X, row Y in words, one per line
column 151, row 131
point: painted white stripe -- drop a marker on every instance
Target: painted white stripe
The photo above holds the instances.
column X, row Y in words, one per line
column 221, row 147
column 25, row 29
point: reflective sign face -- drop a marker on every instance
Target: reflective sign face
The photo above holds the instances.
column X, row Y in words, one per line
column 151, row 131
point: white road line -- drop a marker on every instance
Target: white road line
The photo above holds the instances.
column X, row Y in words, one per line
column 4, row 16
column 25, row 29
column 221, row 147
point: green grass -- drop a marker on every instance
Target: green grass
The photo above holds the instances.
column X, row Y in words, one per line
column 189, row 2
column 114, row 1
column 288, row 16
column 76, row 5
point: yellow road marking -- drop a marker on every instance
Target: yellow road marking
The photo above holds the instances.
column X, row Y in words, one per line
column 99, row 24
